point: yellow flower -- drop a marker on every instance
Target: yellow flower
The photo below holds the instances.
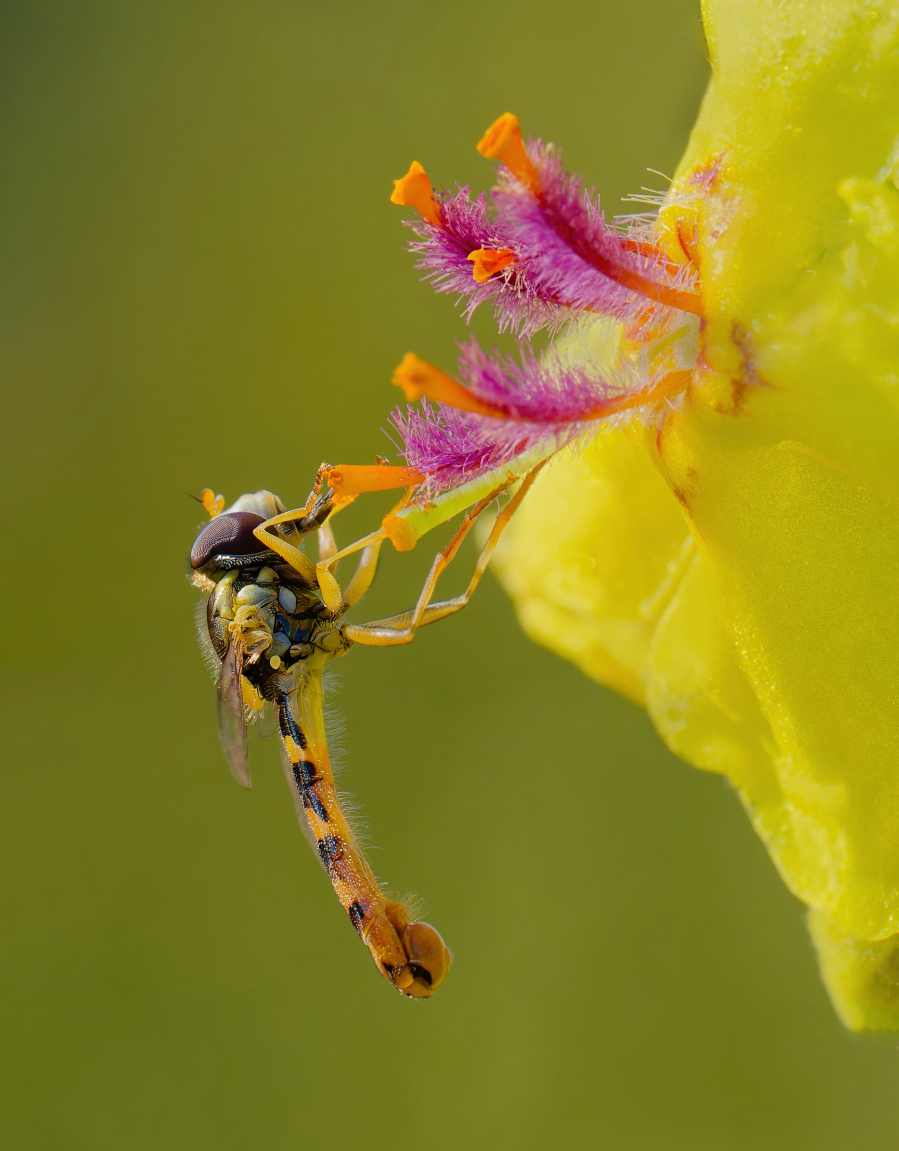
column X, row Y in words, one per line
column 734, row 564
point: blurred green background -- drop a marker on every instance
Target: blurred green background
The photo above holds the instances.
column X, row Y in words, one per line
column 204, row 284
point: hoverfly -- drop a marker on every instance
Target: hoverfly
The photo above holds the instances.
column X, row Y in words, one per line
column 272, row 623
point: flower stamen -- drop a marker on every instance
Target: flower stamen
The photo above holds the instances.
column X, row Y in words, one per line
column 626, row 277
column 420, row 379
column 502, row 141
column 350, row 480
column 668, row 386
column 489, row 261
column 651, row 252
column 414, row 191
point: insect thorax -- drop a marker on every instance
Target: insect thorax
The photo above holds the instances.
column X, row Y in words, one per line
column 271, row 613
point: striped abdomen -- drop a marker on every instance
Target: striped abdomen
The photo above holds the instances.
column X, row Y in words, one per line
column 412, row 956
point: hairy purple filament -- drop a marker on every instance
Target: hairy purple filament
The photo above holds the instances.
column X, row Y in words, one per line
column 567, row 258
column 549, row 401
column 567, row 262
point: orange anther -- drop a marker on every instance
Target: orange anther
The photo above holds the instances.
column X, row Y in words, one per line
column 418, row 378
column 502, row 141
column 414, row 191
column 488, row 261
column 213, row 504
column 350, row 480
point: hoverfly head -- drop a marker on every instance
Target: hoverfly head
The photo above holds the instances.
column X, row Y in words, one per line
column 228, row 542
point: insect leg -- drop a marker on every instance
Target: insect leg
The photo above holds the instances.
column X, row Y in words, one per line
column 370, row 546
column 292, row 555
column 327, row 545
column 400, row 629
column 364, row 573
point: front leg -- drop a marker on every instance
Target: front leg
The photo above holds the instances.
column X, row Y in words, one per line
column 327, row 545
column 340, row 602
column 288, row 552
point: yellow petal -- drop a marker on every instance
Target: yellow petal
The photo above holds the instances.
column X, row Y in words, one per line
column 769, row 653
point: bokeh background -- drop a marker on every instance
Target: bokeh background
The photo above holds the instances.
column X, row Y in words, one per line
column 204, row 284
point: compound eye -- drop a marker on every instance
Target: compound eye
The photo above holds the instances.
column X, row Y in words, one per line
column 228, row 534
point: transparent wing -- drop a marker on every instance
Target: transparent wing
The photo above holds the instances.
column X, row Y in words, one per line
column 232, row 720
column 267, row 722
